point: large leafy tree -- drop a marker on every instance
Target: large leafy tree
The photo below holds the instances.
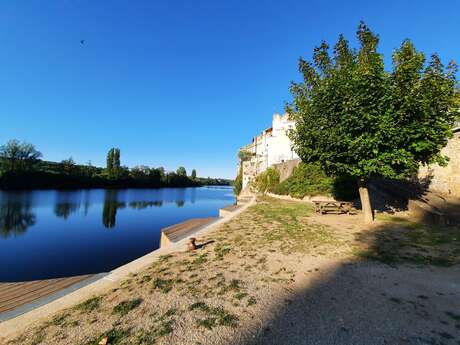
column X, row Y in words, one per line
column 16, row 156
column 113, row 166
column 355, row 118
column 181, row 172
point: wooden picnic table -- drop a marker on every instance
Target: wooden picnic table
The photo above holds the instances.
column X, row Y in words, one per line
column 339, row 207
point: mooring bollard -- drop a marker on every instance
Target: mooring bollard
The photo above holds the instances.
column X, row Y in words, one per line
column 191, row 243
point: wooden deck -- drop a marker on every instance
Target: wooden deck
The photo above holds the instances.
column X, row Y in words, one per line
column 179, row 231
column 15, row 295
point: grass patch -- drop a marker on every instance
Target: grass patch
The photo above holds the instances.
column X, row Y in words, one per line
column 285, row 225
column 453, row 315
column 220, row 250
column 215, row 316
column 164, row 285
column 239, row 296
column 90, row 304
column 251, row 301
column 125, row 307
column 59, row 320
column 401, row 241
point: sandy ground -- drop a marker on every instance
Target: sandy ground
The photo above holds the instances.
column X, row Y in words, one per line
column 279, row 274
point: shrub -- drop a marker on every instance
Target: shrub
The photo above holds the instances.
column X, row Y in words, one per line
column 267, row 181
column 238, row 184
column 309, row 179
column 306, row 179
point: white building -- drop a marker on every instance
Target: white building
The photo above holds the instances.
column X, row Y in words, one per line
column 272, row 146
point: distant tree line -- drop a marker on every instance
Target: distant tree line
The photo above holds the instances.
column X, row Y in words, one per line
column 21, row 167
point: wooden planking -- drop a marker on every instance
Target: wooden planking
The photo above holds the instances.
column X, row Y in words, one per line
column 178, row 231
column 14, row 295
column 225, row 211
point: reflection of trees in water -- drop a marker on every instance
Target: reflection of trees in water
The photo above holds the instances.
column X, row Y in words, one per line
column 193, row 196
column 15, row 218
column 65, row 209
column 111, row 205
column 139, row 205
column 180, row 203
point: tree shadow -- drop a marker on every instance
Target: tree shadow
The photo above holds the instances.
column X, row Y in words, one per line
column 401, row 286
column 203, row 245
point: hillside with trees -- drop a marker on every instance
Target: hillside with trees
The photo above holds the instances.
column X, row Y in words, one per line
column 21, row 167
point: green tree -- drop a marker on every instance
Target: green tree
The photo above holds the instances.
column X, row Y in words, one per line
column 193, row 176
column 266, row 181
column 357, row 119
column 116, row 160
column 238, row 184
column 68, row 165
column 181, row 172
column 109, row 163
column 16, row 156
column 113, row 167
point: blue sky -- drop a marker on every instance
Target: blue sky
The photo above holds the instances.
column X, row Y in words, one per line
column 177, row 82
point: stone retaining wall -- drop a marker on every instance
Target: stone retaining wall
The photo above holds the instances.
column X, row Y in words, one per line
column 445, row 180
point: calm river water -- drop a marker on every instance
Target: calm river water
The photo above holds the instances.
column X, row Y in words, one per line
column 48, row 234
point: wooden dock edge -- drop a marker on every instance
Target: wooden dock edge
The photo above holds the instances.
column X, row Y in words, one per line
column 189, row 227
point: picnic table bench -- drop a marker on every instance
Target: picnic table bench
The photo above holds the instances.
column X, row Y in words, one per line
column 339, row 207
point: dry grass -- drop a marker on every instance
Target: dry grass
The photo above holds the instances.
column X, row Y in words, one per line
column 186, row 297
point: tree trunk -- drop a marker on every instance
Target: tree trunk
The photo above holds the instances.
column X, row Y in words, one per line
column 366, row 206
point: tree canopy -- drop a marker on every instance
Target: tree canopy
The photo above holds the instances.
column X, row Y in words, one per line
column 16, row 156
column 181, row 172
column 357, row 119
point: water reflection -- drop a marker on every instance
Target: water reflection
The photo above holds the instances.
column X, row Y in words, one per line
column 111, row 205
column 140, row 205
column 52, row 234
column 65, row 209
column 15, row 219
column 16, row 214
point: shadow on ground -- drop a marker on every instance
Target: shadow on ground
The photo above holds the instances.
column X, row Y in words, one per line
column 402, row 288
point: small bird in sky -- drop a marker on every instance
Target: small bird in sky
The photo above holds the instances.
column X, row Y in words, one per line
column 82, row 41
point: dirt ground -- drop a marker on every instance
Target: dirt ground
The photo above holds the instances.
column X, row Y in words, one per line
column 279, row 274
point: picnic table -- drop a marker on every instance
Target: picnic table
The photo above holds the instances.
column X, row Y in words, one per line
column 339, row 207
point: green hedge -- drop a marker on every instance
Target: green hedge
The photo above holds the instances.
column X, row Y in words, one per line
column 310, row 180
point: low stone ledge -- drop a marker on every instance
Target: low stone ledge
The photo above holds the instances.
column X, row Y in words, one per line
column 225, row 211
column 177, row 232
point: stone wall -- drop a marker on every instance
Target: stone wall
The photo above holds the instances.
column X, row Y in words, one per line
column 285, row 169
column 445, row 180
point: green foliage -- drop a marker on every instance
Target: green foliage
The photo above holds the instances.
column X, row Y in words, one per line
column 113, row 168
column 16, row 156
column 244, row 155
column 125, row 307
column 181, row 172
column 267, row 181
column 20, row 168
column 306, row 179
column 68, row 165
column 238, row 185
column 357, row 119
column 90, row 304
column 193, row 176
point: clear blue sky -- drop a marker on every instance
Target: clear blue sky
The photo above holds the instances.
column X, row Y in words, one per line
column 177, row 82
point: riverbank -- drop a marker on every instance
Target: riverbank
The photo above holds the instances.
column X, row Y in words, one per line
column 40, row 180
column 277, row 273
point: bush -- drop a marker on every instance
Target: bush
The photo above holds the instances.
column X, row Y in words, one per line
column 238, row 185
column 267, row 181
column 308, row 179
